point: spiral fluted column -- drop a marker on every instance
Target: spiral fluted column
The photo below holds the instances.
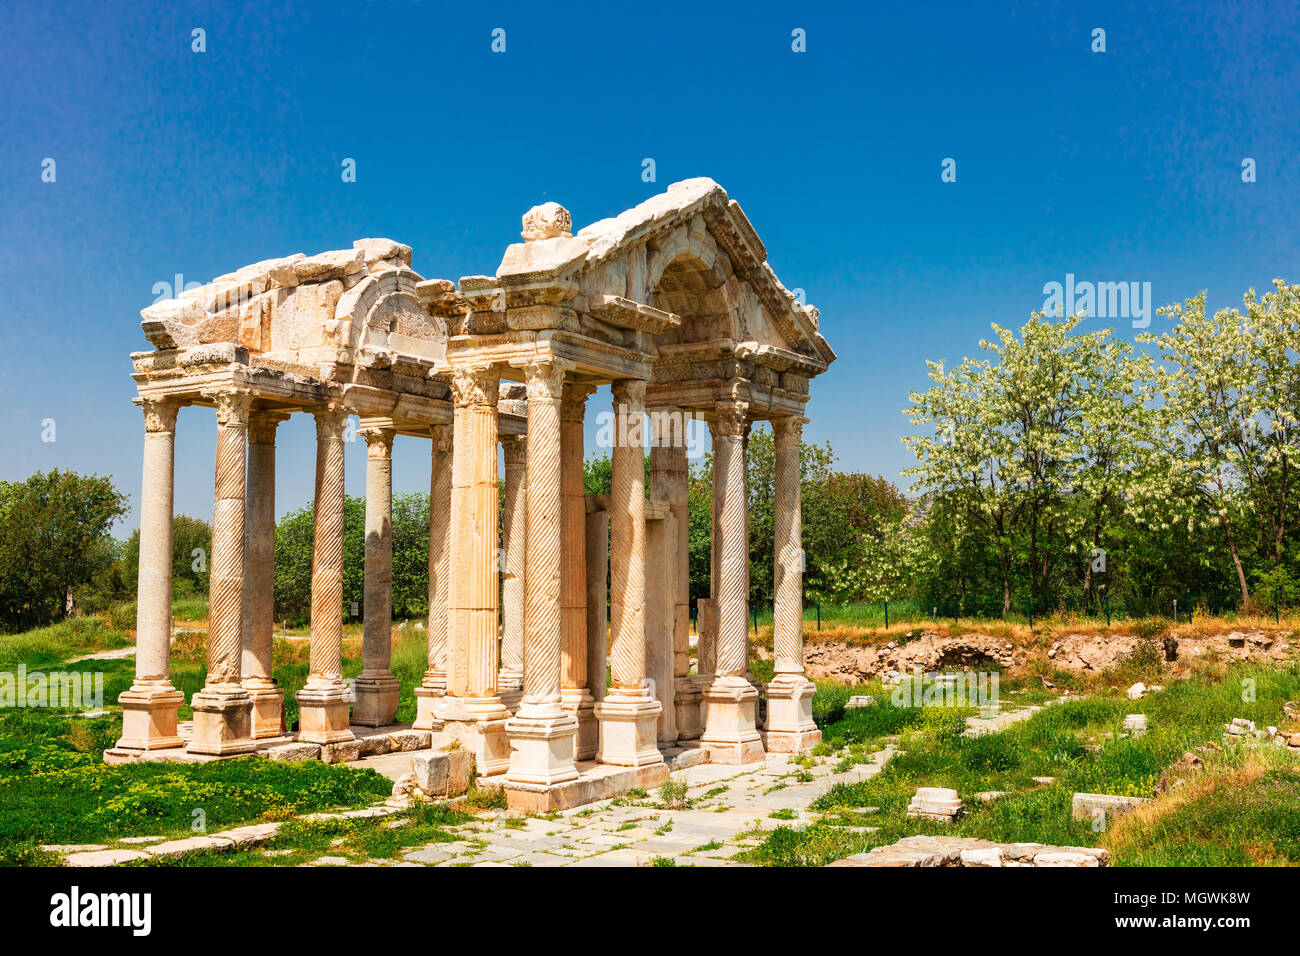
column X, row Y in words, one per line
column 790, row 727
column 434, row 684
column 730, row 731
column 542, row 733
column 629, row 713
column 574, row 684
column 322, row 706
column 223, row 709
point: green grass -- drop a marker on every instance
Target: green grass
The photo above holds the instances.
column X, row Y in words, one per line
column 49, row 646
column 1076, row 742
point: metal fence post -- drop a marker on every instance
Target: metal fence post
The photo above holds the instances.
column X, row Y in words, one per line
column 1106, row 601
column 1029, row 606
column 819, row 615
column 886, row 615
column 1277, row 608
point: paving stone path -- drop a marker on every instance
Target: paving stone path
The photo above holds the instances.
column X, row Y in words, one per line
column 730, row 812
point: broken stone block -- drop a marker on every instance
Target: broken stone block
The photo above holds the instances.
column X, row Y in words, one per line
column 936, row 803
column 408, row 740
column 375, row 746
column 443, row 773
column 344, row 751
column 860, row 700
column 1086, row 806
column 1136, row 724
column 1137, row 691
column 294, row 752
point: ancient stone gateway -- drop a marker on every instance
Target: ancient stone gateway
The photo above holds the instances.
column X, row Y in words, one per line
column 671, row 303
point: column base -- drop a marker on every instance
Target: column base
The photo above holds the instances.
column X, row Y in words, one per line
column 730, row 733
column 479, row 723
column 268, row 709
column 688, row 700
column 376, row 700
column 579, row 702
column 511, row 698
column 790, row 727
column 629, row 728
column 427, row 700
column 542, row 741
column 149, row 719
column 323, row 714
column 223, row 721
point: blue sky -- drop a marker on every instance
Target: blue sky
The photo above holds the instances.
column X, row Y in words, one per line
column 1115, row 166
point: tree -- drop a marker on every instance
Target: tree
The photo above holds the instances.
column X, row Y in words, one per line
column 191, row 552
column 54, row 539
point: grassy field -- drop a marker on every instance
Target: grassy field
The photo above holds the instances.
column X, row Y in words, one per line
column 1241, row 808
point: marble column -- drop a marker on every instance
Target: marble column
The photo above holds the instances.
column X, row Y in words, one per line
column 629, row 714
column 322, row 703
column 669, row 477
column 574, row 691
column 433, row 687
column 514, row 533
column 149, row 708
column 259, row 588
column 376, row 688
column 542, row 733
column 472, row 711
column 730, row 733
column 223, row 720
column 789, row 727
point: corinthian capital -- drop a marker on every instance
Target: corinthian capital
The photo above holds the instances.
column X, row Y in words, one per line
column 232, row 405
column 473, row 386
column 330, row 420
column 515, row 449
column 159, row 416
column 379, row 441
column 788, row 431
column 573, row 403
column 545, row 381
column 733, row 419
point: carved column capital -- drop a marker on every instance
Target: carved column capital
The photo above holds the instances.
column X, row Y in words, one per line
column 732, row 420
column 573, row 402
column 330, row 420
column 789, row 430
column 443, row 438
column 262, row 426
column 545, row 380
column 630, row 392
column 232, row 405
column 515, row 449
column 159, row 415
column 379, row 441
column 473, row 385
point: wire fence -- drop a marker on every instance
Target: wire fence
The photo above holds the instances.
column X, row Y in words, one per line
column 1181, row 608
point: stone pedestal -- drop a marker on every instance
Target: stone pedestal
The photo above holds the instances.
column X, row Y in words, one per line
column 480, row 726
column 731, row 736
column 268, row 708
column 223, row 722
column 427, row 700
column 149, row 716
column 790, row 727
column 629, row 729
column 542, row 739
column 323, row 714
column 688, row 701
column 376, row 700
column 578, row 702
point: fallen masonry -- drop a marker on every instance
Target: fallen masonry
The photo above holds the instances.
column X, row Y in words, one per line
column 935, row 803
column 1087, row 806
column 967, row 851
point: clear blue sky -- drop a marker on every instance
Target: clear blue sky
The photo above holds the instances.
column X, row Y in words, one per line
column 1117, row 166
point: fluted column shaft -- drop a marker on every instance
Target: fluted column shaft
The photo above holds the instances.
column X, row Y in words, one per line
column 474, row 653
column 325, row 654
column 732, row 652
column 259, row 588
column 154, row 587
column 788, row 584
column 226, row 584
column 573, row 506
column 627, row 539
column 514, row 533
